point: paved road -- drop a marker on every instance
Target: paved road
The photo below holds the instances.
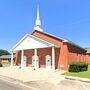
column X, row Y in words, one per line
column 5, row 85
column 44, row 85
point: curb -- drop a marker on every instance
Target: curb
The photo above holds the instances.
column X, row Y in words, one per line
column 78, row 79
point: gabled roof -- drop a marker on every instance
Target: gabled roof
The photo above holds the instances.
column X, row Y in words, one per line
column 48, row 44
column 49, row 35
column 59, row 38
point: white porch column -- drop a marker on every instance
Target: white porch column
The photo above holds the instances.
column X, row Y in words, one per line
column 53, row 58
column 11, row 59
column 35, row 58
column 22, row 58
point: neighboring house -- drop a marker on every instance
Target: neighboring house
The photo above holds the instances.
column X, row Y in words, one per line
column 44, row 50
column 88, row 51
column 6, row 58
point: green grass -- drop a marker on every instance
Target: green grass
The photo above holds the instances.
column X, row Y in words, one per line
column 85, row 74
column 5, row 62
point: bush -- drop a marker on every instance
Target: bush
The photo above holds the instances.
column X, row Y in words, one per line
column 1, row 65
column 78, row 67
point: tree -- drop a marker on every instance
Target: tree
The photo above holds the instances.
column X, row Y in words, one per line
column 4, row 52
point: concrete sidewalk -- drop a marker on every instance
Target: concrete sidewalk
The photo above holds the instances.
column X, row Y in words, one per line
column 41, row 79
column 28, row 74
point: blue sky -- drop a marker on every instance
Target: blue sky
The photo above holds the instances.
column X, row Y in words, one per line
column 65, row 18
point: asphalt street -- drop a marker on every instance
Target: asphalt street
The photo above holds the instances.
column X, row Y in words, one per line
column 5, row 85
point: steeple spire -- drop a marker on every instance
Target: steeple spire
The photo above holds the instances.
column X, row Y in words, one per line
column 38, row 21
column 38, row 17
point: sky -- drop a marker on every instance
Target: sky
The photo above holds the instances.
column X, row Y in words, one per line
column 69, row 19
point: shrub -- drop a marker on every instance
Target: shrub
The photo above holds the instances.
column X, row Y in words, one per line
column 1, row 65
column 78, row 67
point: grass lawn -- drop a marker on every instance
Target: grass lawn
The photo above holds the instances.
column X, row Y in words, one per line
column 85, row 74
column 5, row 62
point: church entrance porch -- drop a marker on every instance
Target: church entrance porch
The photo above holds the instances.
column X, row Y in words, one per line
column 37, row 58
column 35, row 51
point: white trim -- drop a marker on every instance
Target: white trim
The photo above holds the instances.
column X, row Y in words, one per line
column 19, row 42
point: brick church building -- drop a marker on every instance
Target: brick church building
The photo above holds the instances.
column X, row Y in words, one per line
column 39, row 49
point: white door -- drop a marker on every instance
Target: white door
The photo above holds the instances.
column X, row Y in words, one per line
column 48, row 62
column 25, row 61
column 36, row 65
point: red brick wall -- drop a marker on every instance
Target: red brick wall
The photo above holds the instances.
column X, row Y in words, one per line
column 18, row 58
column 87, row 59
column 47, row 51
column 76, row 54
column 28, row 54
column 57, row 55
column 63, row 57
column 41, row 53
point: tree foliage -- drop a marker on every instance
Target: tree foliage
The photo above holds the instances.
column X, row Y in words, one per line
column 4, row 52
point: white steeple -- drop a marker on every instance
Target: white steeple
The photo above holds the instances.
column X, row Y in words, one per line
column 38, row 21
